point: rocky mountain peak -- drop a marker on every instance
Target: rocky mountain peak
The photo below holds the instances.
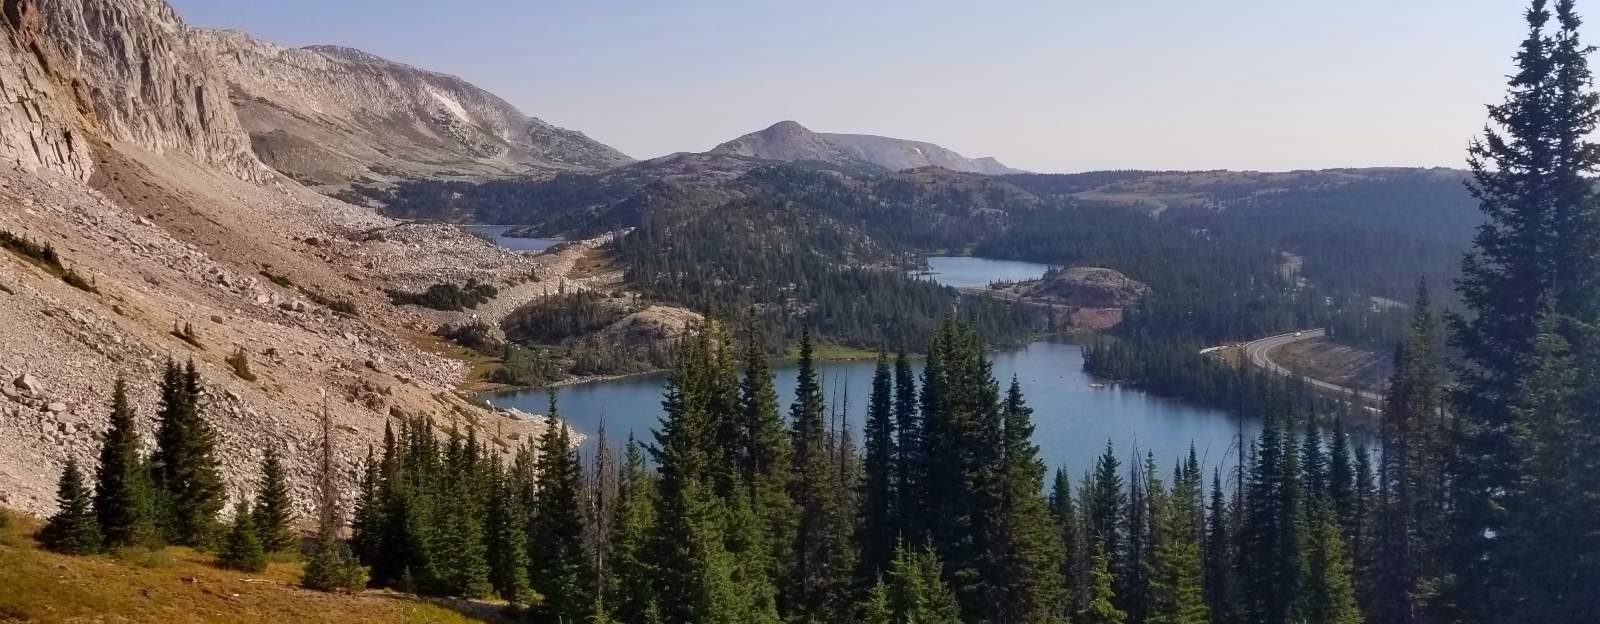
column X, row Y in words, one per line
column 790, row 141
column 331, row 115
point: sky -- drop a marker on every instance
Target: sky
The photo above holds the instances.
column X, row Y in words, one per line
column 1048, row 85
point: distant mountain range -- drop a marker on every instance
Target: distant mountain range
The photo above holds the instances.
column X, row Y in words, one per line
column 790, row 142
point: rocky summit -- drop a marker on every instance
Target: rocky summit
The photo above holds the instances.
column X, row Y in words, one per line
column 790, row 141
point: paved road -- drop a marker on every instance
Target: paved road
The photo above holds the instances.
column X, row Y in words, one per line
column 1259, row 354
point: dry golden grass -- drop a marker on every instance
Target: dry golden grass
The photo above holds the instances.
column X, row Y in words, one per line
column 1335, row 363
column 180, row 586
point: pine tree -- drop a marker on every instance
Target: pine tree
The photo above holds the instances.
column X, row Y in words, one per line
column 1535, row 254
column 1176, row 594
column 1074, row 554
column 740, row 588
column 1313, row 462
column 1025, row 573
column 184, row 467
column 242, row 549
column 1327, row 594
column 122, row 497
column 876, row 609
column 274, row 511
column 505, row 541
column 73, row 530
column 367, row 521
column 767, row 459
column 914, row 590
column 821, row 564
column 727, row 431
column 1268, row 552
column 461, row 557
column 675, row 555
column 600, row 500
column 1104, row 501
column 878, row 526
column 329, row 566
column 1101, row 608
column 631, row 592
column 557, row 551
column 1363, row 546
column 1409, row 517
column 1341, row 477
column 1219, row 555
column 1551, row 533
column 908, row 446
column 1133, row 570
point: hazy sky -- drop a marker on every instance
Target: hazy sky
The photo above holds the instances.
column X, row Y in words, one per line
column 1049, row 85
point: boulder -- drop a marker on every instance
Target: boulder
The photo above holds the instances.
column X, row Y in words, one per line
column 27, row 383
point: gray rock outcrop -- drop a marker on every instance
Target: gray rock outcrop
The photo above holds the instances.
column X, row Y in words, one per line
column 790, row 141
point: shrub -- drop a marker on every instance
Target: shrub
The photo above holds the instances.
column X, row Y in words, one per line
column 343, row 306
column 522, row 366
column 331, row 568
column 242, row 549
column 446, row 296
column 78, row 281
column 240, row 361
column 184, row 330
column 44, row 255
column 476, row 335
column 277, row 279
column 339, row 306
column 27, row 248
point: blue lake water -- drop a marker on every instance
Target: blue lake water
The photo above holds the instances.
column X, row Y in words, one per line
column 1073, row 417
column 968, row 272
column 513, row 243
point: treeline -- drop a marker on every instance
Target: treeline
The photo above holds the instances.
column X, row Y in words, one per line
column 1203, row 288
column 937, row 514
column 759, row 260
column 1178, row 369
column 447, row 296
column 554, row 318
column 175, row 495
column 1371, row 236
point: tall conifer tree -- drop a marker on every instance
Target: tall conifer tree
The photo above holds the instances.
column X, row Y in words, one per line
column 122, row 497
column 73, row 529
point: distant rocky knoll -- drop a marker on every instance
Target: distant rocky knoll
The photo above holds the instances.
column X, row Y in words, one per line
column 1086, row 287
column 790, row 141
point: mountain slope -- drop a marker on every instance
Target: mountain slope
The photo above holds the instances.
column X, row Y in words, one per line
column 790, row 141
column 328, row 115
column 122, row 153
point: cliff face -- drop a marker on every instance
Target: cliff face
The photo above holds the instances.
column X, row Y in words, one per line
column 120, row 147
column 36, row 129
column 328, row 115
column 134, row 74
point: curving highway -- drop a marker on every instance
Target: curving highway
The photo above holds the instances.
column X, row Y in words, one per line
column 1259, row 354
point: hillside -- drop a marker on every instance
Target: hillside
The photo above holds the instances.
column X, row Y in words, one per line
column 328, row 116
column 125, row 157
column 181, row 585
column 789, row 141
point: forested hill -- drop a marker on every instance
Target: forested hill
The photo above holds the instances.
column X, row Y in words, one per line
column 1227, row 253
